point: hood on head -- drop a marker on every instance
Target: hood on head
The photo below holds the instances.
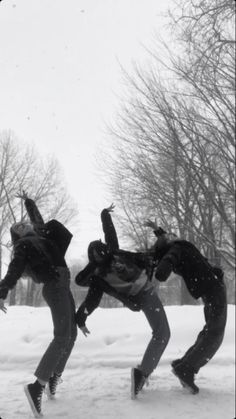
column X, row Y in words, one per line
column 20, row 229
column 163, row 241
column 99, row 248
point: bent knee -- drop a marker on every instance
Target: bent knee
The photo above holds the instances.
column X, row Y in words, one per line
column 162, row 334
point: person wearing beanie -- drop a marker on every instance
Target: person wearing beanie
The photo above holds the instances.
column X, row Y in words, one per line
column 202, row 281
column 122, row 275
column 39, row 252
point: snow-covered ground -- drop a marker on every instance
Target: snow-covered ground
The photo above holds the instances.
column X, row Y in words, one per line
column 96, row 383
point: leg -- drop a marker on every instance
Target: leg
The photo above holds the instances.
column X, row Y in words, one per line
column 208, row 340
column 211, row 337
column 59, row 298
column 63, row 360
column 155, row 314
column 55, row 379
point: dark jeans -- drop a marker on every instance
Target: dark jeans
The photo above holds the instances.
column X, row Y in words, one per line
column 59, row 298
column 156, row 316
column 211, row 337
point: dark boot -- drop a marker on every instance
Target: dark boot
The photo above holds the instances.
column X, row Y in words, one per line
column 51, row 388
column 185, row 374
column 34, row 394
column 138, row 379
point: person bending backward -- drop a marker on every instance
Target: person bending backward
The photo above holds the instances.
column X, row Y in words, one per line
column 38, row 250
column 120, row 274
column 202, row 280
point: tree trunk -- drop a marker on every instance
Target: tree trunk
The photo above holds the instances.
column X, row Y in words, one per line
column 30, row 293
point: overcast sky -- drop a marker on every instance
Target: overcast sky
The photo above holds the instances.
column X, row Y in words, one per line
column 60, row 80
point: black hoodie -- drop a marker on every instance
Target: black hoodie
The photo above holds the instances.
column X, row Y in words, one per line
column 119, row 275
column 184, row 259
column 38, row 255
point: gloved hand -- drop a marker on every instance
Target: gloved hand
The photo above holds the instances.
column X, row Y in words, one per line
column 110, row 208
column 23, row 195
column 3, row 292
column 85, row 330
column 2, row 307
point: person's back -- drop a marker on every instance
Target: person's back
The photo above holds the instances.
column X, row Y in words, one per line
column 33, row 255
column 202, row 280
column 188, row 262
column 42, row 257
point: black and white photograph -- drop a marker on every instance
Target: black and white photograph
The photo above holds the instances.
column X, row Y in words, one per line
column 117, row 209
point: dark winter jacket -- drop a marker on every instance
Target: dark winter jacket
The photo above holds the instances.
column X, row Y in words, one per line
column 52, row 230
column 38, row 256
column 184, row 259
column 121, row 276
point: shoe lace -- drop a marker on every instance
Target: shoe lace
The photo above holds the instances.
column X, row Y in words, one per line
column 39, row 398
column 53, row 383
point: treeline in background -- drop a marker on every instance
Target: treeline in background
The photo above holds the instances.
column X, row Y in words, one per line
column 170, row 154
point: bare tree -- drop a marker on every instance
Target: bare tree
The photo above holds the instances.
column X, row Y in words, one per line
column 174, row 141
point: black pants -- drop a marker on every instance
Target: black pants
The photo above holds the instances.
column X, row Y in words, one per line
column 59, row 298
column 154, row 311
column 211, row 337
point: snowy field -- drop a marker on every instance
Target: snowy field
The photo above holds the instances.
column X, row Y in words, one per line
column 96, row 383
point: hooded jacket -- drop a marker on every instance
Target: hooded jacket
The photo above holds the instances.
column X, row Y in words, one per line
column 121, row 275
column 37, row 255
column 184, row 259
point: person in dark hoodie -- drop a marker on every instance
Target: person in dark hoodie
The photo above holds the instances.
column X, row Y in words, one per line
column 202, row 280
column 121, row 274
column 39, row 251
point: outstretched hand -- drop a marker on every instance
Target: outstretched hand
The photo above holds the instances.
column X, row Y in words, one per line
column 110, row 208
column 22, row 195
column 152, row 224
column 2, row 307
column 85, row 331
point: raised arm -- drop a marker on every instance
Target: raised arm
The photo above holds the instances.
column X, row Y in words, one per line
column 158, row 231
column 109, row 229
column 32, row 211
column 34, row 214
column 168, row 263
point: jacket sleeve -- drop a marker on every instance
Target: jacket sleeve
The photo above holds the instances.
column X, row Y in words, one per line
column 57, row 232
column 109, row 231
column 84, row 277
column 15, row 269
column 90, row 303
column 53, row 229
column 34, row 214
column 140, row 259
column 167, row 264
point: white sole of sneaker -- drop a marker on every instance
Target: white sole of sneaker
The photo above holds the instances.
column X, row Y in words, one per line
column 50, row 396
column 133, row 395
column 31, row 403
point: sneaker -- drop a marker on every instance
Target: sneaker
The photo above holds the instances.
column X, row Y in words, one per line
column 137, row 381
column 51, row 388
column 185, row 375
column 34, row 394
